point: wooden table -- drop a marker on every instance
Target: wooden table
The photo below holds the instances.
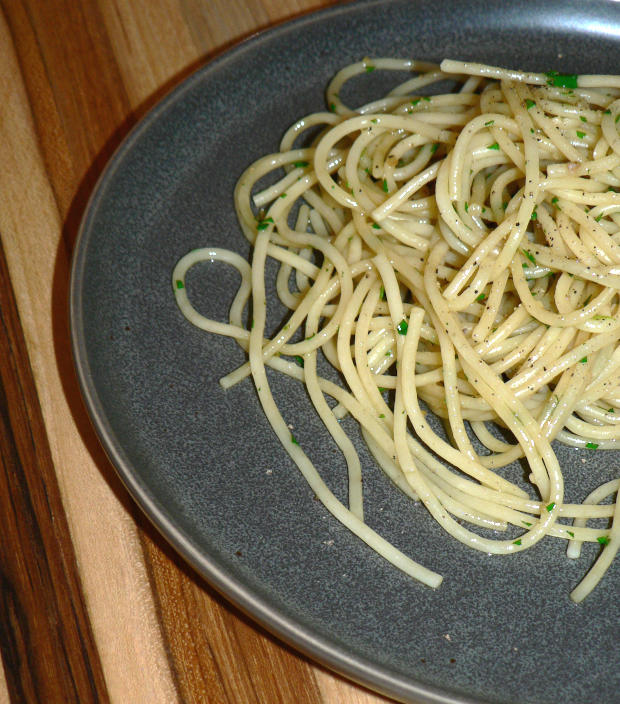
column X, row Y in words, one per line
column 95, row 606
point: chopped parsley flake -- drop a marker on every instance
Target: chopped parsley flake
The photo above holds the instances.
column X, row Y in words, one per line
column 294, row 439
column 581, row 134
column 402, row 327
column 583, row 360
column 495, row 146
column 180, row 284
column 434, row 147
column 264, row 224
column 300, row 164
column 534, row 214
column 370, row 68
column 382, row 293
column 529, row 255
column 489, row 123
column 570, row 532
column 550, row 506
column 582, row 118
column 481, row 297
column 530, row 103
column 299, row 360
column 517, row 542
column 561, row 80
column 591, row 445
column 603, row 539
column 526, row 523
column 385, row 186
column 376, row 226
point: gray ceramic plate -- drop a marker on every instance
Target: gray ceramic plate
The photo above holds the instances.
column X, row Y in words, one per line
column 203, row 463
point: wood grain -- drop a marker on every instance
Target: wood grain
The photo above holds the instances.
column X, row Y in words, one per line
column 110, row 612
column 41, row 603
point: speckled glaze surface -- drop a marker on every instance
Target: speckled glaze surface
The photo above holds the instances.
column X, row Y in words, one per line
column 203, row 462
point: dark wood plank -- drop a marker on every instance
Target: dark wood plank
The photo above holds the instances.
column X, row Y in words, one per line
column 46, row 643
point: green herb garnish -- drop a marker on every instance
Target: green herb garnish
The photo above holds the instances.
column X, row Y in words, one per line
column 591, row 445
column 402, row 327
column 495, row 146
column 264, row 224
column 561, row 80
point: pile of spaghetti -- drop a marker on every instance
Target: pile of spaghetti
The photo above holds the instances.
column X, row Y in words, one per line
column 458, row 254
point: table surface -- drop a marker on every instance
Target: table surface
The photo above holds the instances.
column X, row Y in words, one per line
column 95, row 605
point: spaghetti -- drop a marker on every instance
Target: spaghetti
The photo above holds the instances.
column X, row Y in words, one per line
column 458, row 252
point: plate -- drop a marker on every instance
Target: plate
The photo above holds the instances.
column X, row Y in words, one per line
column 203, row 463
